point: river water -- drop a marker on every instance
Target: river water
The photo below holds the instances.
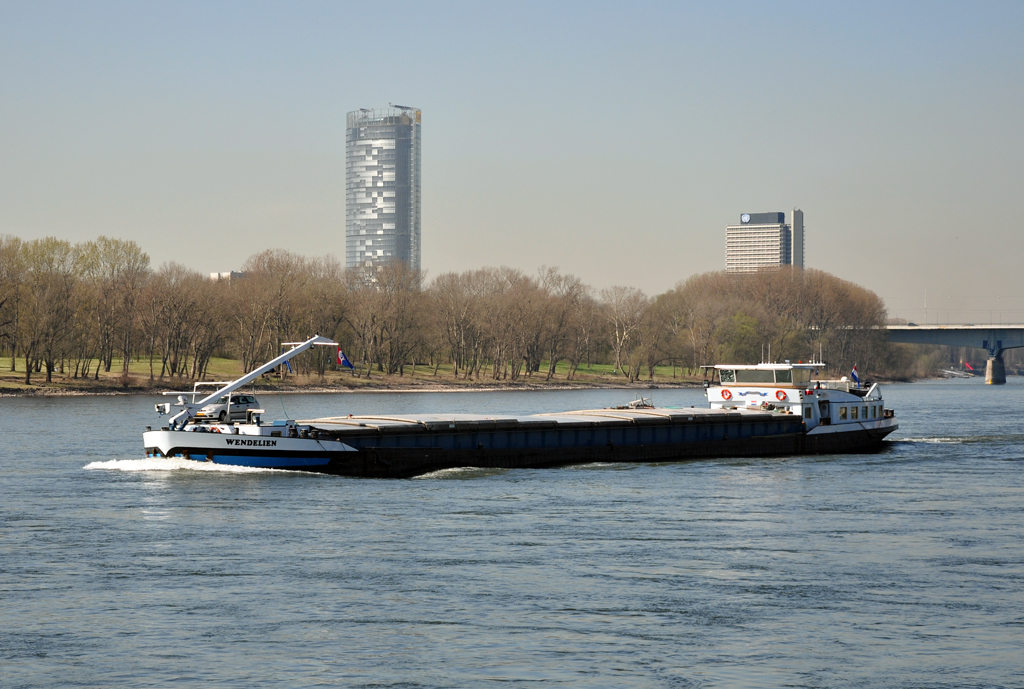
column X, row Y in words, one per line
column 903, row 568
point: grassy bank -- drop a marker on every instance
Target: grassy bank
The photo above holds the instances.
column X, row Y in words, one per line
column 138, row 380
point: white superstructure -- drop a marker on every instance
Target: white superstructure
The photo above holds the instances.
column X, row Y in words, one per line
column 826, row 406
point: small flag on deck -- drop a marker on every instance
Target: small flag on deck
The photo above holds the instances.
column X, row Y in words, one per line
column 343, row 360
column 853, row 374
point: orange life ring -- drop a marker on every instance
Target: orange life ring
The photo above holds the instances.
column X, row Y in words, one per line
column 214, row 429
column 780, row 395
column 726, row 395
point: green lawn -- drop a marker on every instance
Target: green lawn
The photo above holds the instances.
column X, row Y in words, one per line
column 229, row 369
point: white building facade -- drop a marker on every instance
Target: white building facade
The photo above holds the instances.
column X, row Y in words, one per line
column 764, row 240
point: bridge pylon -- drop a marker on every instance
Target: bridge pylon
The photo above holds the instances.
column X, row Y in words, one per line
column 995, row 370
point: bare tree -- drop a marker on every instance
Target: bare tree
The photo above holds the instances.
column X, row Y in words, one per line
column 117, row 271
column 625, row 308
column 792, row 313
column 582, row 327
column 455, row 311
column 51, row 276
column 181, row 311
column 398, row 301
column 322, row 302
column 564, row 293
column 12, row 275
column 279, row 278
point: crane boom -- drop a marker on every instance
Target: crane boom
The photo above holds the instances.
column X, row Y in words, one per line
column 179, row 420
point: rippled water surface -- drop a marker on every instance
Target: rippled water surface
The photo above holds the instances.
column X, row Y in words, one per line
column 903, row 568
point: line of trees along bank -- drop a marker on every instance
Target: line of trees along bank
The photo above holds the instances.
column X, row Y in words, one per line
column 73, row 309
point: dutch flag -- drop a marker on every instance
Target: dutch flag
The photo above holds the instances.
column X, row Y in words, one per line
column 853, row 374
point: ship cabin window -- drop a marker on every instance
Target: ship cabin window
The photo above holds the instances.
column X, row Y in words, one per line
column 789, row 376
column 807, row 412
column 853, row 412
column 753, row 375
column 864, row 415
column 842, row 413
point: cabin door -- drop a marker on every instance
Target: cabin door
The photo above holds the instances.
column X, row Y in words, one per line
column 823, row 413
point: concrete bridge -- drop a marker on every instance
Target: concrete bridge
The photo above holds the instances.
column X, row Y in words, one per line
column 992, row 338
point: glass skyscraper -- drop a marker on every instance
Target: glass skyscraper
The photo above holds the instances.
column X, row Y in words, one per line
column 382, row 187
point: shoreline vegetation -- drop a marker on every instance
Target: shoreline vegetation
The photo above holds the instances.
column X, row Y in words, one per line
column 424, row 380
column 140, row 385
column 95, row 317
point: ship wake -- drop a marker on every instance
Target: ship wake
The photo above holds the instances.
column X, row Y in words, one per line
column 175, row 464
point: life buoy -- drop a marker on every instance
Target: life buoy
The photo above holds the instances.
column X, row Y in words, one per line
column 726, row 395
column 214, row 429
column 780, row 395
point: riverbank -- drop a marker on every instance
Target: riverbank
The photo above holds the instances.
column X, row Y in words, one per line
column 286, row 390
column 422, row 379
column 12, row 384
column 341, row 383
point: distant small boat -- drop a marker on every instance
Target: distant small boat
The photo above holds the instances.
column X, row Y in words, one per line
column 954, row 373
column 763, row 410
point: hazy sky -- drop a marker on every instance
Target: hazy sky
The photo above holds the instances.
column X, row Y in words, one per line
column 614, row 140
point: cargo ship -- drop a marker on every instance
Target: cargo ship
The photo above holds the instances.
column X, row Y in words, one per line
column 754, row 411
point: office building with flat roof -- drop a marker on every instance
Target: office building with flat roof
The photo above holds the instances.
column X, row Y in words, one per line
column 764, row 240
column 382, row 187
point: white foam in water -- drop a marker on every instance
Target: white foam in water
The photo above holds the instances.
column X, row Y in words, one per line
column 173, row 464
column 936, row 440
column 459, row 472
